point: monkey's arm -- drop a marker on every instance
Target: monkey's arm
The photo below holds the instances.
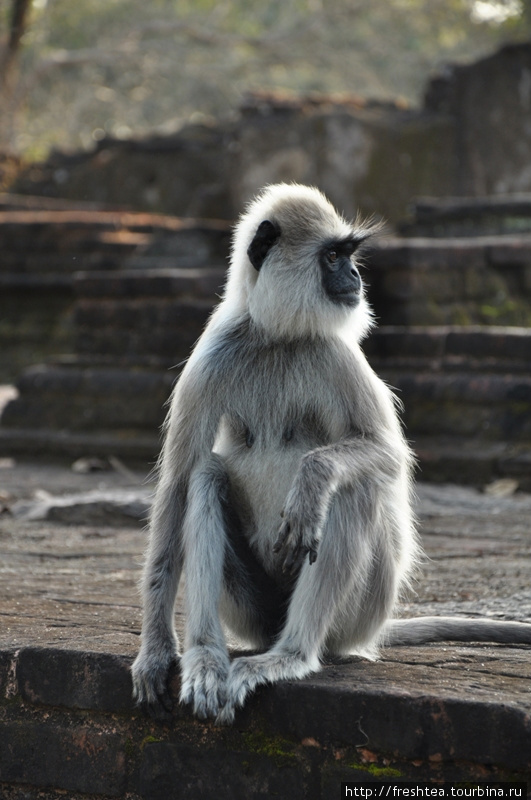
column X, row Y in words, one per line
column 191, row 428
column 321, row 473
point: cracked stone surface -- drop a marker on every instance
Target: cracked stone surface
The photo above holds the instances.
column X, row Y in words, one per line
column 73, row 584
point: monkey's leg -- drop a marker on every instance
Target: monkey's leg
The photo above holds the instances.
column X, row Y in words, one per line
column 360, row 621
column 160, row 580
column 205, row 662
column 345, row 555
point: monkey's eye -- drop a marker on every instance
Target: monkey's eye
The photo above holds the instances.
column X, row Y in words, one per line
column 333, row 260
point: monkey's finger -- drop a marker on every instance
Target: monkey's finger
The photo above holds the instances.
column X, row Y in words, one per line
column 284, row 532
column 157, row 711
column 298, row 562
column 166, row 701
column 296, row 554
column 216, row 697
column 226, row 715
column 312, row 551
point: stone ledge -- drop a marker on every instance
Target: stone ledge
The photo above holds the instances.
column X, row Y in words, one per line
column 69, row 723
column 474, row 462
column 101, row 219
column 70, row 628
column 136, row 446
column 129, row 284
column 476, row 346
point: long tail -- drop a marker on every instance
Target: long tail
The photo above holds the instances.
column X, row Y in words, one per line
column 421, row 630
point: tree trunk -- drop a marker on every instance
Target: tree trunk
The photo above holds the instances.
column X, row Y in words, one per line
column 17, row 25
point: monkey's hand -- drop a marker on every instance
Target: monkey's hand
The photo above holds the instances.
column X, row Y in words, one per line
column 295, row 541
column 298, row 536
column 151, row 673
column 305, row 512
column 205, row 669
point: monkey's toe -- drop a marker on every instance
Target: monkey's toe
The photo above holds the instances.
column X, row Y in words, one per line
column 204, row 677
column 159, row 710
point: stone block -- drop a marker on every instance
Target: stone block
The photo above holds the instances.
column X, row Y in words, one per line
column 493, row 139
column 469, row 216
column 75, row 679
column 96, row 398
column 172, row 771
column 500, row 344
column 79, row 759
column 451, row 281
column 482, row 405
column 141, row 283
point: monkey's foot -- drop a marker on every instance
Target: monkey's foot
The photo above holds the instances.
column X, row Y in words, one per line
column 151, row 673
column 249, row 672
column 204, row 679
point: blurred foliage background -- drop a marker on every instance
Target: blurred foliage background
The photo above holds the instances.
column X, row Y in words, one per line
column 74, row 72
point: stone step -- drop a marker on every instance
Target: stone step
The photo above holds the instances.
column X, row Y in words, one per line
column 470, row 425
column 98, row 219
column 450, row 348
column 469, row 216
column 132, row 446
column 70, row 251
column 138, row 313
column 129, row 284
column 57, row 265
column 58, row 230
column 70, row 630
column 90, row 397
column 472, row 461
column 41, row 251
column 474, row 383
column 451, row 281
column 490, row 407
column 25, row 202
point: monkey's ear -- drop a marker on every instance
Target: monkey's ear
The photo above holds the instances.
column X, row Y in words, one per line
column 264, row 239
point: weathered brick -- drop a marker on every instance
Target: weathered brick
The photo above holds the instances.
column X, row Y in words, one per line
column 78, row 758
column 179, row 772
column 75, row 679
column 7, row 671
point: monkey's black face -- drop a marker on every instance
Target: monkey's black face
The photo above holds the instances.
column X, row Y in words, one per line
column 341, row 279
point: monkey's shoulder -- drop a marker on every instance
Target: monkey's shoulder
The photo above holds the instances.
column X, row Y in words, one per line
column 243, row 347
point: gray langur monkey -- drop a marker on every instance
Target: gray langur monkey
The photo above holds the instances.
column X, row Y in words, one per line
column 285, row 479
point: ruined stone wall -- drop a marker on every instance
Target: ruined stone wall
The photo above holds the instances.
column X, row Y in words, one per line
column 472, row 137
column 490, row 102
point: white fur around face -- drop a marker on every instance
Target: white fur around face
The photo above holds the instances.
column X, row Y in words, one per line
column 286, row 299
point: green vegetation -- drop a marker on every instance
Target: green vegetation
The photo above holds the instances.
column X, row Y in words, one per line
column 92, row 68
column 274, row 747
column 375, row 770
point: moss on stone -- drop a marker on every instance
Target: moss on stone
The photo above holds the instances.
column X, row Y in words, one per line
column 281, row 750
column 375, row 770
column 149, row 740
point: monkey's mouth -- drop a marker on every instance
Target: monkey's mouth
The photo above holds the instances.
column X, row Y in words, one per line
column 347, row 298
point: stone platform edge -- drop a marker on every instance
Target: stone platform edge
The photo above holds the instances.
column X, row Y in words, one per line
column 68, row 725
column 439, row 459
